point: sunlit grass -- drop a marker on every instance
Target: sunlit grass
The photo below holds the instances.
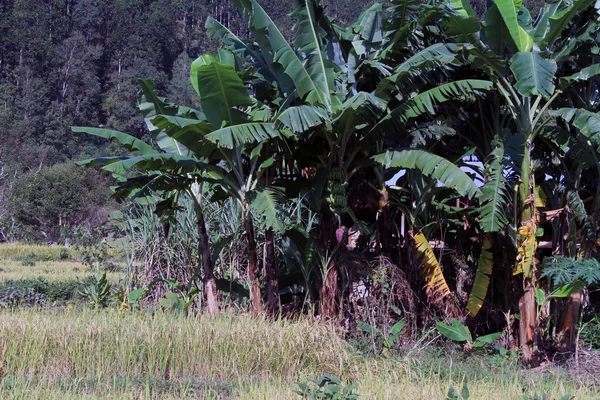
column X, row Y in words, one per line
column 49, row 270
column 15, row 250
column 108, row 354
column 74, row 352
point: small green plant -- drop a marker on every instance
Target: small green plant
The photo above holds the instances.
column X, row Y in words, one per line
column 454, row 394
column 29, row 260
column 64, row 254
column 181, row 302
column 543, row 396
column 388, row 341
column 97, row 292
column 457, row 332
column 326, row 387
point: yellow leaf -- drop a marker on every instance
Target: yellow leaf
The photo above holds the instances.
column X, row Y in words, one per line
column 430, row 268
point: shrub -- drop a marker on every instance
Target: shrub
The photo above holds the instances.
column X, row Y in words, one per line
column 47, row 203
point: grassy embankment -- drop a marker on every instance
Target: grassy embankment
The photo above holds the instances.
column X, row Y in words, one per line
column 74, row 352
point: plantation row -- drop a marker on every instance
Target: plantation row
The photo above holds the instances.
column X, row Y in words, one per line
column 420, row 164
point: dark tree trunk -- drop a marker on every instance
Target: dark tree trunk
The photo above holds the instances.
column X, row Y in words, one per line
column 271, row 272
column 253, row 272
column 210, row 287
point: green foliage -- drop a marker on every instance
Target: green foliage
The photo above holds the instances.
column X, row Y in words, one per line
column 29, row 260
column 57, row 199
column 41, row 291
column 589, row 330
column 565, row 270
column 98, row 292
column 326, row 387
column 388, row 340
column 458, row 332
column 454, row 394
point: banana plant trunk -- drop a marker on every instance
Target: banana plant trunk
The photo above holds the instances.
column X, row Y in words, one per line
column 568, row 322
column 329, row 293
column 527, row 304
column 271, row 272
column 210, row 286
column 527, row 323
column 253, row 272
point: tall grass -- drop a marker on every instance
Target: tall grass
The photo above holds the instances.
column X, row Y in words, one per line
column 80, row 353
column 88, row 344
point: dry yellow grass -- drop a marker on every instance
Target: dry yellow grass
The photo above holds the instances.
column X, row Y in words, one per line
column 106, row 354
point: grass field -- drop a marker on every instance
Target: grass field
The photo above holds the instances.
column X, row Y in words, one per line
column 20, row 261
column 101, row 354
column 75, row 352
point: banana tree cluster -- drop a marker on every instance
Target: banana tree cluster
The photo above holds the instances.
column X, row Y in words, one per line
column 373, row 125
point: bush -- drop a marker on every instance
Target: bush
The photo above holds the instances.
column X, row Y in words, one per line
column 54, row 200
column 33, row 291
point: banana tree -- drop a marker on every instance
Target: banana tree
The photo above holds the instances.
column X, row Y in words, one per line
column 158, row 172
column 523, row 58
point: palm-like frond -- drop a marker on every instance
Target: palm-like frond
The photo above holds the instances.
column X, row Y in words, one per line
column 586, row 121
column 434, row 56
column 265, row 204
column 433, row 166
column 130, row 142
column 149, row 162
column 494, row 194
column 581, row 216
column 424, row 103
column 252, row 132
column 301, row 118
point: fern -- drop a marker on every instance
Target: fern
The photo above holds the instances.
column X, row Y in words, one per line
column 565, row 270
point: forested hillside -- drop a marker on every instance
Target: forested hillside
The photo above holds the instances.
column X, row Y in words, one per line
column 76, row 62
column 65, row 63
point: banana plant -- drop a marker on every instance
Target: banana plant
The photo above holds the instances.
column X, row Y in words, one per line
column 522, row 57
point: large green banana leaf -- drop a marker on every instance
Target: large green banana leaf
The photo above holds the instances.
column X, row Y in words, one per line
column 301, row 118
column 251, row 132
column 494, row 194
column 433, row 166
column 179, row 133
column 534, row 74
column 130, row 142
column 586, row 121
column 423, row 103
column 509, row 10
column 221, row 91
column 308, row 41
